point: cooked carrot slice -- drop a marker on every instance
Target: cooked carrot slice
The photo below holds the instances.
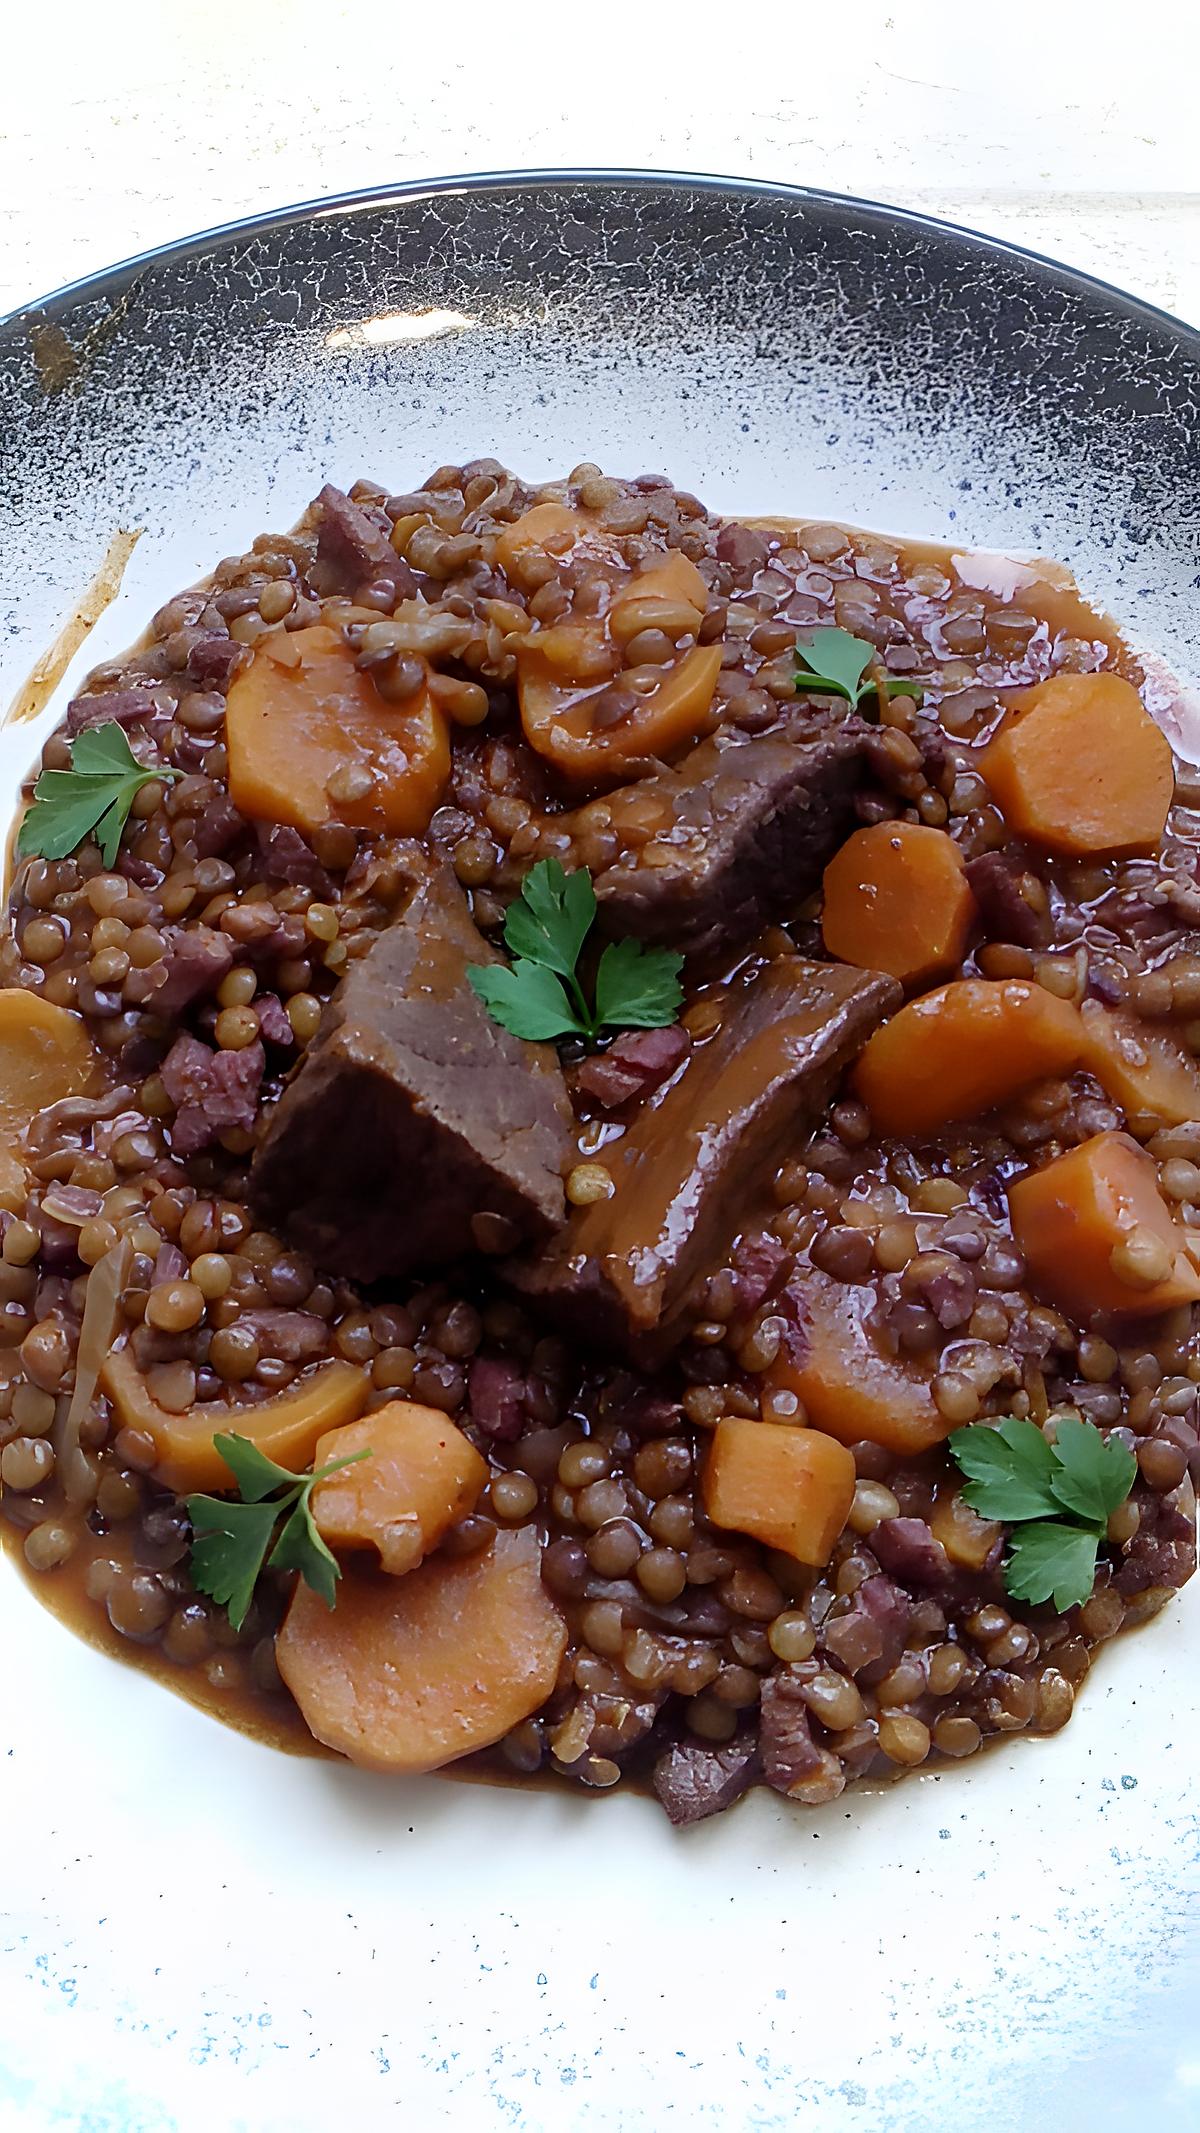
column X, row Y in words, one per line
column 967, row 1538
column 1079, row 766
column 45, row 1055
column 551, row 529
column 960, row 1051
column 303, row 713
column 287, row 1428
column 1153, row 1079
column 409, row 1673
column 670, row 595
column 897, row 899
column 791, row 1489
column 422, row 1476
column 850, row 1386
column 1098, row 1235
column 558, row 721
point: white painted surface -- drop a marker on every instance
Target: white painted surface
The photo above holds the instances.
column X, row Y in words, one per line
column 1068, row 129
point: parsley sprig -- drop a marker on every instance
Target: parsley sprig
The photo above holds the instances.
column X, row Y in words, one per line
column 542, row 996
column 835, row 662
column 230, row 1540
column 1060, row 1497
column 92, row 798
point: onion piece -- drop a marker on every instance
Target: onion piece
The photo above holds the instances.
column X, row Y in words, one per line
column 72, row 1204
column 97, row 1332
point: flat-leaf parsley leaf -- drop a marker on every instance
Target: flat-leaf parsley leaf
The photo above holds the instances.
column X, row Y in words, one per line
column 1052, row 1561
column 1060, row 1497
column 541, row 996
column 92, row 798
column 1092, row 1474
column 836, row 663
column 230, row 1540
column 1009, row 1470
column 636, row 987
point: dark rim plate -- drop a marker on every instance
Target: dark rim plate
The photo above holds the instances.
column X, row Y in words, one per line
column 113, row 280
column 773, row 348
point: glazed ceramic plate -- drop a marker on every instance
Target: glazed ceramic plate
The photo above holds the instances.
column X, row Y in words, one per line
column 202, row 1934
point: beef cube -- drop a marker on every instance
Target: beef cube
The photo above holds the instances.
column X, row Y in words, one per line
column 694, row 1780
column 354, row 543
column 748, row 826
column 791, row 1760
column 695, row 1162
column 633, row 1067
column 416, row 1130
column 867, row 1636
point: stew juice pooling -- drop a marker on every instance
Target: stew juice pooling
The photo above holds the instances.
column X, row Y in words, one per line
column 661, row 1052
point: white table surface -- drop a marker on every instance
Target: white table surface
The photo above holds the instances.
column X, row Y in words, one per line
column 1069, row 129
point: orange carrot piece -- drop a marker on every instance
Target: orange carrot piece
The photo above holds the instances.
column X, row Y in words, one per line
column 897, row 899
column 1144, row 1070
column 422, row 1476
column 409, row 1673
column 958, row 1052
column 558, row 720
column 287, row 1428
column 45, row 1055
column 791, row 1489
column 850, row 1386
column 1079, row 766
column 670, row 595
column 303, row 713
column 967, row 1538
column 545, row 529
column 1098, row 1235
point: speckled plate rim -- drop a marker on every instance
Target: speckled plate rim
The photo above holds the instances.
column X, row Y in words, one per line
column 1009, row 1874
column 112, row 280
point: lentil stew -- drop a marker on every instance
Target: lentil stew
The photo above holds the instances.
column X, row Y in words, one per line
column 647, row 1343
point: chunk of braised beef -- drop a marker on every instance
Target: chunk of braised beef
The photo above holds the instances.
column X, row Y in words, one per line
column 59, row 1246
column 1163, row 1550
column 354, row 542
column 122, row 707
column 197, row 959
column 217, row 828
column 634, row 1066
column 867, row 1637
column 791, row 1758
column 213, row 1092
column 694, row 1780
column 213, row 662
column 626, row 1273
column 747, row 825
column 744, row 550
column 52, row 1297
column 759, row 1264
column 412, row 1096
column 1003, row 889
column 496, row 1397
column 906, row 1549
column 949, row 1292
column 287, row 856
column 273, row 1023
column 294, row 1336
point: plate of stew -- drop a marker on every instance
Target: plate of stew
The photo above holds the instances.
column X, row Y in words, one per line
column 600, row 1187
